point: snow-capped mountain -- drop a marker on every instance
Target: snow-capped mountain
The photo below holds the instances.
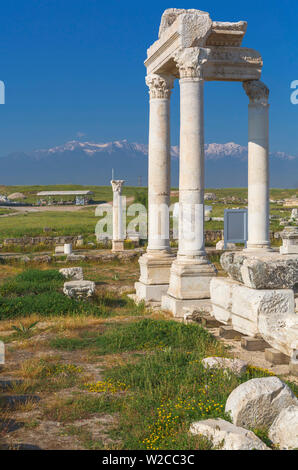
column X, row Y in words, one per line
column 87, row 162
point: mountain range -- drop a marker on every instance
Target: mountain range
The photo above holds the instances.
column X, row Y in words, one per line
column 78, row 162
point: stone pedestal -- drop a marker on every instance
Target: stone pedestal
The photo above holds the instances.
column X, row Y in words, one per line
column 258, row 298
column 289, row 241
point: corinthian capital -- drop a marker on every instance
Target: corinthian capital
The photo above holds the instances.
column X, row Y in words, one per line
column 257, row 91
column 117, row 186
column 160, row 86
column 190, row 61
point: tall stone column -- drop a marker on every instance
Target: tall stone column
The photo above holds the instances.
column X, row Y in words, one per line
column 191, row 272
column 155, row 264
column 258, row 165
column 118, row 229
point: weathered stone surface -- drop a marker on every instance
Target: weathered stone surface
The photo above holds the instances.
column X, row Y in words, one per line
column 257, row 312
column 79, row 289
column 284, row 429
column 73, row 257
column 75, row 273
column 221, row 244
column 289, row 241
column 236, row 366
column 262, row 271
column 227, row 436
column 258, row 402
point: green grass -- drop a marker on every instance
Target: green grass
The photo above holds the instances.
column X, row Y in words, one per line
column 167, row 387
column 145, row 334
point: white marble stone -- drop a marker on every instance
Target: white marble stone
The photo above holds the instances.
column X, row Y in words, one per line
column 257, row 402
column 257, row 312
column 79, row 289
column 118, row 223
column 227, row 436
column 75, row 273
column 258, row 165
column 284, row 430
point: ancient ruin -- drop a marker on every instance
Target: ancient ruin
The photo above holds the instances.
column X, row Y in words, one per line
column 258, row 297
column 118, row 226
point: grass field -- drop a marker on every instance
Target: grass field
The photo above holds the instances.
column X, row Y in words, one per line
column 83, row 222
column 108, row 376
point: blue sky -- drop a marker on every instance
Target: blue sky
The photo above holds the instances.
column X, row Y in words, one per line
column 76, row 66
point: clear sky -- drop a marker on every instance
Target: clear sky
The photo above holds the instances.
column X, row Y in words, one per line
column 74, row 67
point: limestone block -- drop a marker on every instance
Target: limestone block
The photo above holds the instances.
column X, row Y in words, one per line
column 75, row 273
column 221, row 244
column 227, row 436
column 236, row 366
column 79, row 289
column 289, row 241
column 258, row 402
column 278, row 322
column 284, row 429
column 191, row 280
column 268, row 270
column 155, row 268
column 252, row 312
column 149, row 292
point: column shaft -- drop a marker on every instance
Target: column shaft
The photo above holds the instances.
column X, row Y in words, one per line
column 159, row 170
column 258, row 166
column 191, row 184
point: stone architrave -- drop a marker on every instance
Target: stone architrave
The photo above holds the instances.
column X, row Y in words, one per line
column 118, row 229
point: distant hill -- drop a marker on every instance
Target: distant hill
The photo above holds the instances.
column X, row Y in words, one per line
column 91, row 163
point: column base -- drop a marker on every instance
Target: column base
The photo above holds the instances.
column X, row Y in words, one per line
column 258, row 247
column 150, row 293
column 177, row 306
column 117, row 245
column 155, row 267
column 190, row 278
column 155, row 274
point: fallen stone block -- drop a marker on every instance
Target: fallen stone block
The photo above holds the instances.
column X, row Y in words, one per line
column 75, row 274
column 228, row 332
column 236, row 366
column 284, row 429
column 257, row 402
column 227, row 436
column 253, row 344
column 276, row 357
column 79, row 289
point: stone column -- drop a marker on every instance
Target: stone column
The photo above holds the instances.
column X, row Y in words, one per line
column 118, row 229
column 258, row 165
column 155, row 264
column 191, row 272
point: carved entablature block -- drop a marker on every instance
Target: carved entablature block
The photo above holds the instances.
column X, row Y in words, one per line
column 191, row 29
